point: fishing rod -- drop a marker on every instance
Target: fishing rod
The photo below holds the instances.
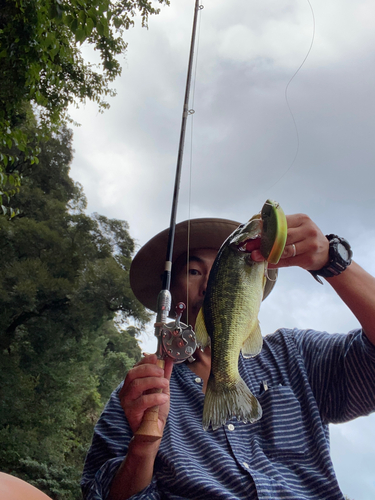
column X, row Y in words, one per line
column 175, row 340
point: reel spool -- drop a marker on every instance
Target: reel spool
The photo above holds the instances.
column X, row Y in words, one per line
column 178, row 340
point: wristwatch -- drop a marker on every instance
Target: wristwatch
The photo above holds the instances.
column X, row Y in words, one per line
column 340, row 257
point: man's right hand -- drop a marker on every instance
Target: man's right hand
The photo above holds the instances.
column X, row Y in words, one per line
column 146, row 375
column 135, row 472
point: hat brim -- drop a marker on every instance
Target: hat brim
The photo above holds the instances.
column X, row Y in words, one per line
column 148, row 265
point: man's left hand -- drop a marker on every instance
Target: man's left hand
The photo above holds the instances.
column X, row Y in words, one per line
column 306, row 246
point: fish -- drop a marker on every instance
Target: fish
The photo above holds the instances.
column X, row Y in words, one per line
column 228, row 318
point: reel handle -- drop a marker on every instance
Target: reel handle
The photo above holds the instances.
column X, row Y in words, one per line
column 149, row 429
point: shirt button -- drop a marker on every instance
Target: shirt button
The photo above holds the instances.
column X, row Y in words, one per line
column 231, row 427
column 198, row 380
column 245, row 464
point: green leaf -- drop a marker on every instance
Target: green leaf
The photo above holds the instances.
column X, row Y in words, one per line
column 74, row 25
column 100, row 29
column 117, row 22
column 89, row 26
column 82, row 17
column 80, row 35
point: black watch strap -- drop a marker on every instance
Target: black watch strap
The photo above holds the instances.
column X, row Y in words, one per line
column 340, row 257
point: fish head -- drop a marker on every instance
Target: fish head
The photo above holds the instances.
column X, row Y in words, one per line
column 250, row 230
column 269, row 226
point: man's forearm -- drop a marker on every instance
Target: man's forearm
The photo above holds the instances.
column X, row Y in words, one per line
column 356, row 288
column 135, row 472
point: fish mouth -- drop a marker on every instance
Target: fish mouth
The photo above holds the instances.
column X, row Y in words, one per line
column 242, row 247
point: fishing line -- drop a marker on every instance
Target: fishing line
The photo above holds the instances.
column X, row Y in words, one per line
column 191, row 112
column 287, row 100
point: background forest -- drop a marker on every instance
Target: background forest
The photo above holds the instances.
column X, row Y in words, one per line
column 64, row 296
column 68, row 318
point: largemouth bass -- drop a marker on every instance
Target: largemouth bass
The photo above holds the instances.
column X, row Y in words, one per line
column 228, row 318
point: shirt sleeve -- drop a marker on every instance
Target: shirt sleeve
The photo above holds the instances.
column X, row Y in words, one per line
column 341, row 371
column 110, row 442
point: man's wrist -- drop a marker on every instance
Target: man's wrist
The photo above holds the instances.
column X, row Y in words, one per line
column 340, row 257
column 141, row 448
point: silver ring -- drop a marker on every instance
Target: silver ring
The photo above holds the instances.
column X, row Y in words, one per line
column 294, row 250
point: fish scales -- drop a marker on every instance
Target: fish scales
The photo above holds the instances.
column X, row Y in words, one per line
column 229, row 316
column 232, row 310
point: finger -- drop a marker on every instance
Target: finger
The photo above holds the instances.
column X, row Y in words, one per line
column 168, row 368
column 140, row 372
column 147, row 358
column 297, row 220
column 290, row 251
column 141, row 385
column 140, row 405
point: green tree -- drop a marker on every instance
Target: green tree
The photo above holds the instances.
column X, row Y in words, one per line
column 66, row 314
column 42, row 64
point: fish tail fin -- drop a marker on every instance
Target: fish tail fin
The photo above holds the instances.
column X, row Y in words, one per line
column 236, row 401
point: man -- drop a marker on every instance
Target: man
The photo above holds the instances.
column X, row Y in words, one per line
column 303, row 380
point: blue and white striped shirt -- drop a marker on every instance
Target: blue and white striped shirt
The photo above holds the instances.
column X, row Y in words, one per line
column 303, row 379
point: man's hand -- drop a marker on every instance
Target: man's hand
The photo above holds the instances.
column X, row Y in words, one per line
column 144, row 376
column 306, row 246
column 135, row 472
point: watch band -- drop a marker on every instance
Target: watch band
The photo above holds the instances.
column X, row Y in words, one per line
column 337, row 263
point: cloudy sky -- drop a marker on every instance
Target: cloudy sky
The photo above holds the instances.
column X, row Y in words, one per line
column 243, row 146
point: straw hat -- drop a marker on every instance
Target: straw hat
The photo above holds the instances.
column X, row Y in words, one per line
column 148, row 265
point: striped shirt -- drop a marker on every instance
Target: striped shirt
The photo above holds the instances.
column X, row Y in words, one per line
column 304, row 380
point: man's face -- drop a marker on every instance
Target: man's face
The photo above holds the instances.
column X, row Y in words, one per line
column 189, row 281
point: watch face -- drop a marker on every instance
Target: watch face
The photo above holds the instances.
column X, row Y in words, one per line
column 343, row 252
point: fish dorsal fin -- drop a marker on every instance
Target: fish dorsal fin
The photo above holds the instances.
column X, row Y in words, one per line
column 201, row 334
column 253, row 344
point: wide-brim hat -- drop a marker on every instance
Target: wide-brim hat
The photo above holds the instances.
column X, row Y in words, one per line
column 148, row 265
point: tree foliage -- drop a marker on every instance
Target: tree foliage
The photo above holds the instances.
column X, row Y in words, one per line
column 42, row 64
column 64, row 298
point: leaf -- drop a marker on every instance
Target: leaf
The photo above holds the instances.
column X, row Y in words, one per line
column 82, row 17
column 117, row 22
column 100, row 29
column 89, row 26
column 80, row 35
column 74, row 25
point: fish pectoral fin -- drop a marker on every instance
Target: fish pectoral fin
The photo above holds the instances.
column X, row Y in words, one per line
column 253, row 344
column 203, row 339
